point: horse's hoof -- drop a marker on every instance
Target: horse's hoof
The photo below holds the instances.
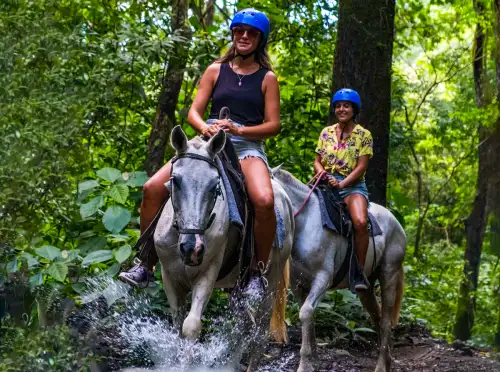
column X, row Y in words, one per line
column 305, row 366
column 191, row 328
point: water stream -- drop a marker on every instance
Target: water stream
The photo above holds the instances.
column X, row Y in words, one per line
column 123, row 319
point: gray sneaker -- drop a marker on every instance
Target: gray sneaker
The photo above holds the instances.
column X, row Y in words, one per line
column 361, row 283
column 138, row 276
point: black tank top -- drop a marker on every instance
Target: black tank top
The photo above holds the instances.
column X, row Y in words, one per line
column 245, row 101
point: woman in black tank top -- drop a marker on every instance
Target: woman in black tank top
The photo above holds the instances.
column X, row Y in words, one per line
column 243, row 81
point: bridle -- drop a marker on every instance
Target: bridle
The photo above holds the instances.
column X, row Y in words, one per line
column 205, row 226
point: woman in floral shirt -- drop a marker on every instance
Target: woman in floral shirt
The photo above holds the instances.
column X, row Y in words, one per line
column 342, row 157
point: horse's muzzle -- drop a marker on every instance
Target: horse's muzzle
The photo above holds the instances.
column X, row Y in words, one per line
column 192, row 247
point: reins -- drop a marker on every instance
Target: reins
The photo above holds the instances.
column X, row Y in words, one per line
column 318, row 179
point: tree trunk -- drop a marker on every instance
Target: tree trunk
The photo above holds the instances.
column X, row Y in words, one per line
column 363, row 58
column 494, row 197
column 164, row 120
column 209, row 13
column 476, row 222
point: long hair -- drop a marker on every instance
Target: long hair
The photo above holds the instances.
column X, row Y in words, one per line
column 261, row 56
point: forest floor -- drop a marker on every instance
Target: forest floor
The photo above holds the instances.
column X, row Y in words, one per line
column 413, row 350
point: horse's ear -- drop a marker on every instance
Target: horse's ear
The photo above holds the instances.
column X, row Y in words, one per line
column 178, row 139
column 217, row 142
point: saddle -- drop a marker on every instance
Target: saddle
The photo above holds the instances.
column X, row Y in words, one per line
column 336, row 217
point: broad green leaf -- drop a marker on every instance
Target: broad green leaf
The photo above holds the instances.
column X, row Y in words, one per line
column 12, row 266
column 90, row 208
column 87, row 185
column 30, row 260
column 113, row 270
column 79, row 287
column 136, row 179
column 123, row 253
column 153, row 290
column 70, row 255
column 58, row 270
column 109, row 174
column 96, row 257
column 118, row 237
column 195, row 22
column 49, row 252
column 119, row 193
column 116, row 218
column 87, row 234
column 36, row 280
column 95, row 243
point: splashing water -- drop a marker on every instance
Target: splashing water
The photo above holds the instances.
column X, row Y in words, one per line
column 124, row 321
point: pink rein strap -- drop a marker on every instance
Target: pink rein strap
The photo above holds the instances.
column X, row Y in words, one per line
column 310, row 192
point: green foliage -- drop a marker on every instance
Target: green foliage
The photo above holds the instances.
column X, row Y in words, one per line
column 54, row 349
column 78, row 91
column 102, row 242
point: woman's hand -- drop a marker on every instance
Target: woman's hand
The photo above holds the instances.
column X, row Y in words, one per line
column 335, row 184
column 210, row 130
column 322, row 174
column 228, row 127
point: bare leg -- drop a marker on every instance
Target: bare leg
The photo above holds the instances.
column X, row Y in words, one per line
column 260, row 192
column 319, row 286
column 154, row 194
column 358, row 208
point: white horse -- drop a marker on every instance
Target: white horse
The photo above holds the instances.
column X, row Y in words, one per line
column 194, row 237
column 317, row 255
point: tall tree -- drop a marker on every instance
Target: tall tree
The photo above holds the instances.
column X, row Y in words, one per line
column 476, row 222
column 164, row 120
column 363, row 58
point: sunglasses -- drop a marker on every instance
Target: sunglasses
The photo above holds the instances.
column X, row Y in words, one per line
column 240, row 31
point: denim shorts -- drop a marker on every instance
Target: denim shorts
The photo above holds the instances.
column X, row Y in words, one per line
column 357, row 188
column 246, row 148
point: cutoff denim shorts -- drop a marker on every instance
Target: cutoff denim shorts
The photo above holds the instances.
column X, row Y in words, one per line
column 244, row 147
column 357, row 188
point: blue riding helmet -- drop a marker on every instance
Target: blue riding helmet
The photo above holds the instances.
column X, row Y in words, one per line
column 254, row 18
column 348, row 95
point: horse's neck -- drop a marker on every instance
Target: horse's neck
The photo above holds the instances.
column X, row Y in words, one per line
column 296, row 190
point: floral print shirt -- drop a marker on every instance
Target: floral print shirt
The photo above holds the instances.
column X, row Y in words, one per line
column 343, row 157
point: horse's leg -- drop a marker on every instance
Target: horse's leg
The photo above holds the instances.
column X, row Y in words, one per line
column 202, row 289
column 176, row 296
column 319, row 286
column 370, row 303
column 389, row 281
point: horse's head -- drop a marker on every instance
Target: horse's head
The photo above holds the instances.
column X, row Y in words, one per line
column 194, row 187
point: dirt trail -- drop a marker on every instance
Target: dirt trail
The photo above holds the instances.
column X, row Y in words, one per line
column 412, row 352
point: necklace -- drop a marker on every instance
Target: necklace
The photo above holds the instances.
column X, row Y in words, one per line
column 240, row 78
column 238, row 75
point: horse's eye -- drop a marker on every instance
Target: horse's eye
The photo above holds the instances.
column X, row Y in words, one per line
column 212, row 187
column 176, row 180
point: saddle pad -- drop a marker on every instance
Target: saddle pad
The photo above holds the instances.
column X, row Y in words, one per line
column 236, row 218
column 236, row 200
column 333, row 219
